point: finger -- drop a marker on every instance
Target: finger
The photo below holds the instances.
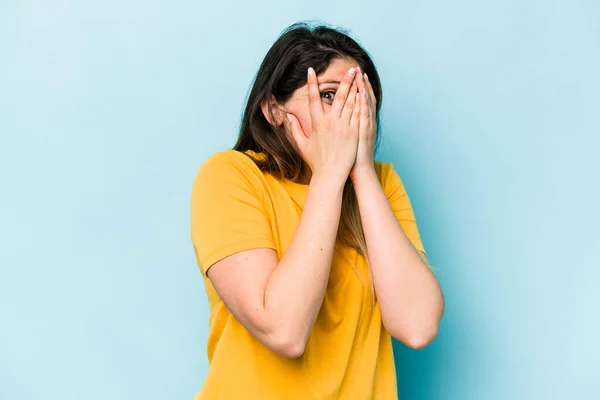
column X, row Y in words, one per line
column 372, row 98
column 315, row 105
column 297, row 132
column 356, row 113
column 350, row 103
column 341, row 95
column 360, row 80
column 363, row 90
column 368, row 98
column 364, row 106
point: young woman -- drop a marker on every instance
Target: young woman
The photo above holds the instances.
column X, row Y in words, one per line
column 309, row 247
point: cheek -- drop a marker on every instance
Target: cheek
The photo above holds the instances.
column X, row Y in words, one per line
column 302, row 112
column 306, row 123
column 303, row 115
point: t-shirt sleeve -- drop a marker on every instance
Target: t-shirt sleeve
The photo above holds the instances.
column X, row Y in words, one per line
column 400, row 202
column 227, row 210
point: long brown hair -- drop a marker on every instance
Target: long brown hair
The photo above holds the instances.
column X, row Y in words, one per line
column 282, row 71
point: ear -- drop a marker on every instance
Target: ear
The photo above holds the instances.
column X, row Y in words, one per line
column 269, row 106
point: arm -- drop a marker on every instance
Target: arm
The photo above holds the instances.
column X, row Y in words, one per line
column 410, row 298
column 278, row 301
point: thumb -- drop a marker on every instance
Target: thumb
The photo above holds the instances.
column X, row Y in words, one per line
column 297, row 132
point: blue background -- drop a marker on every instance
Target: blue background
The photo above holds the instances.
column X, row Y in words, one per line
column 491, row 114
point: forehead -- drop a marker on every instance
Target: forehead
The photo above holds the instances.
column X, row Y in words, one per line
column 337, row 69
column 332, row 75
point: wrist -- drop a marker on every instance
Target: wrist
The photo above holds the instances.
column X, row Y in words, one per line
column 334, row 179
column 367, row 172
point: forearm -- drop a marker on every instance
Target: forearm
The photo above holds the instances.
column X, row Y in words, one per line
column 408, row 293
column 295, row 290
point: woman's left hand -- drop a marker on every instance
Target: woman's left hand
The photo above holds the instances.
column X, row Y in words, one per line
column 367, row 130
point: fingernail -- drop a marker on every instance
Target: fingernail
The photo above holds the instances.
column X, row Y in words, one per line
column 311, row 70
column 366, row 77
column 351, row 71
column 289, row 117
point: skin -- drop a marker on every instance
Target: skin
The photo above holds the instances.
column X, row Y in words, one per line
column 409, row 295
column 328, row 84
column 277, row 301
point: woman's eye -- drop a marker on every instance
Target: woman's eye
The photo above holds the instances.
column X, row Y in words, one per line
column 328, row 95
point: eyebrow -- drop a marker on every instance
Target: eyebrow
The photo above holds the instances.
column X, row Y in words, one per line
column 331, row 81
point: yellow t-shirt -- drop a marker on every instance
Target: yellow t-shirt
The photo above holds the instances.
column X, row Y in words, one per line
column 237, row 207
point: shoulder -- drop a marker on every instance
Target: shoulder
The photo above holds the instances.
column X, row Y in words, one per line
column 226, row 160
column 384, row 169
column 390, row 179
column 381, row 168
column 228, row 167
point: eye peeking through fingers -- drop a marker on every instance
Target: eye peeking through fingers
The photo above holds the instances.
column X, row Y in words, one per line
column 328, row 96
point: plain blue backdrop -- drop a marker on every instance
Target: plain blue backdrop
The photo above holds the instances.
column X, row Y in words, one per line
column 491, row 115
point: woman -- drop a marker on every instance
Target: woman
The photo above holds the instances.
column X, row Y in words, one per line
column 309, row 247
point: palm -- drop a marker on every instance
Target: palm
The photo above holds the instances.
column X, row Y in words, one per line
column 367, row 127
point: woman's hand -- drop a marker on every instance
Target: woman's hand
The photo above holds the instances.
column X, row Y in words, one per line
column 367, row 128
column 331, row 147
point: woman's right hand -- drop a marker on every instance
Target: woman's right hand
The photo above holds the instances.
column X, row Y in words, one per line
column 331, row 147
